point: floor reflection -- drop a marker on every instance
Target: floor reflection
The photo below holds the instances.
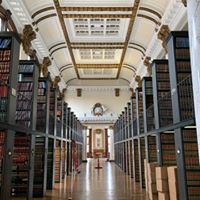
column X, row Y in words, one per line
column 108, row 183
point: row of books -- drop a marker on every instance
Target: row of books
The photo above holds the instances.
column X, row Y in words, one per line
column 25, row 68
column 4, row 67
column 3, row 91
column 3, row 104
column 182, row 42
column 41, row 99
column 38, row 184
column 20, row 165
column 182, row 54
column 5, row 55
column 41, row 92
column 168, row 149
column 5, row 43
column 23, row 105
column 25, row 86
column 162, row 68
column 4, row 78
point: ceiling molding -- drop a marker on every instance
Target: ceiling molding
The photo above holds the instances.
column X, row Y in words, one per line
column 63, row 47
column 95, row 9
column 88, row 45
column 130, row 27
column 125, row 80
column 151, row 11
column 98, row 47
column 70, row 80
column 96, row 43
column 62, row 23
column 65, row 67
column 98, row 88
column 55, row 45
column 44, row 18
column 42, row 10
column 135, row 48
column 131, row 66
column 149, row 18
column 96, row 66
column 138, row 45
column 97, row 16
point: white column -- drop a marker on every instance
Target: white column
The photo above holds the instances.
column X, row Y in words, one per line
column 84, row 151
column 193, row 7
column 112, row 151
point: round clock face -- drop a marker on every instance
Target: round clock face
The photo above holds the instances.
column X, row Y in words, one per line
column 98, row 110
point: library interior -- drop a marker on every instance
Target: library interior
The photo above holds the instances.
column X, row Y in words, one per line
column 100, row 100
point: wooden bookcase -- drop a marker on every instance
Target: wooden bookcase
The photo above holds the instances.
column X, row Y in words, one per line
column 9, row 60
column 26, row 114
column 183, row 114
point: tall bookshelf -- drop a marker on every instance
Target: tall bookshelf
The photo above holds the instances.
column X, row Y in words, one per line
column 65, row 118
column 59, row 116
column 63, row 154
column 183, row 114
column 39, row 167
column 148, row 109
column 139, row 110
column 191, row 158
column 161, row 94
column 50, row 164
column 136, row 170
column 43, row 105
column 9, row 59
column 57, row 161
column 133, row 116
column 52, row 110
column 167, row 150
column 42, row 127
column 21, row 165
column 131, row 157
column 141, row 151
column 25, row 117
column 151, row 148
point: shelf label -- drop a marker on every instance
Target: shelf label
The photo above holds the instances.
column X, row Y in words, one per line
column 13, row 91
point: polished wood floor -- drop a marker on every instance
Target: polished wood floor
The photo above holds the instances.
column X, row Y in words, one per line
column 108, row 183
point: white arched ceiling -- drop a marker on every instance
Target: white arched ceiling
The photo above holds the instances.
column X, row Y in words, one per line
column 98, row 38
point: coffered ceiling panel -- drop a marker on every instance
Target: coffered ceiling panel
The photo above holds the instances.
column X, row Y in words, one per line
column 97, row 56
column 50, row 35
column 98, row 39
column 96, row 3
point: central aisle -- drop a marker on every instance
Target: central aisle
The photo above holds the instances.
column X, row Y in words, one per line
column 108, row 183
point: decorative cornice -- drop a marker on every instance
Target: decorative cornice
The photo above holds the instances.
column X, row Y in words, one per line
column 135, row 48
column 97, row 15
column 41, row 11
column 43, row 68
column 130, row 27
column 163, row 35
column 57, row 79
column 96, row 9
column 139, row 81
column 98, row 88
column 147, row 63
column 149, row 18
column 44, row 17
column 97, row 66
column 62, row 94
column 55, row 45
column 27, row 36
column 59, row 48
column 184, row 2
column 151, row 11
